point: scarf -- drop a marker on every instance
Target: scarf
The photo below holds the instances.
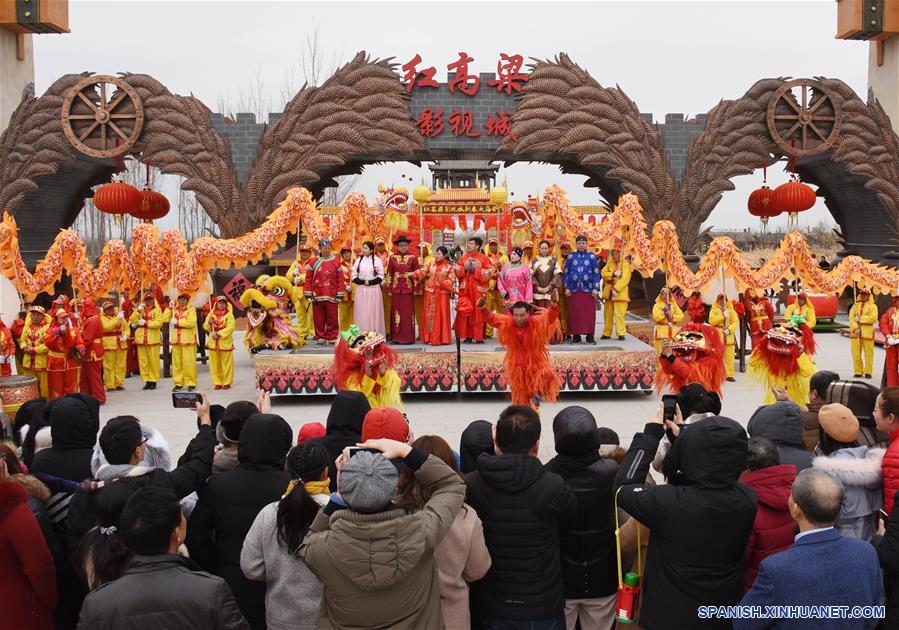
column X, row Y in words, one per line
column 318, row 487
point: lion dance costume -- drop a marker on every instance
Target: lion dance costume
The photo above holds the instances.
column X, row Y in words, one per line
column 783, row 359
column 268, row 316
column 529, row 371
column 364, row 363
column 697, row 356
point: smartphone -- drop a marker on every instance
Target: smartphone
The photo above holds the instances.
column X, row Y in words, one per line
column 185, row 400
column 669, row 406
column 349, row 451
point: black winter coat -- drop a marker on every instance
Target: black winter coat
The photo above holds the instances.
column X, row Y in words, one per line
column 589, row 564
column 74, row 424
column 162, row 591
column 230, row 503
column 888, row 552
column 699, row 527
column 781, row 422
column 343, row 427
column 522, row 507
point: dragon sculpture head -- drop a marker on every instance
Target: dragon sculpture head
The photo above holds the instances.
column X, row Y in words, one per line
column 391, row 199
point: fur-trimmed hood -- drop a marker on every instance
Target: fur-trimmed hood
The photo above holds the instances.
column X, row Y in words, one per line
column 36, row 488
column 156, row 453
column 859, row 466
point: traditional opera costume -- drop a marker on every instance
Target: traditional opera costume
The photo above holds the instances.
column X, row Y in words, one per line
column 400, row 274
column 146, row 322
column 302, row 306
column 723, row 316
column 474, row 271
column 66, row 351
column 346, row 307
column 564, row 251
column 132, row 365
column 616, row 275
column 424, row 258
column 94, row 351
column 325, row 287
column 363, row 362
column 582, row 279
column 439, row 281
column 694, row 356
column 527, row 365
column 498, row 260
column 862, row 318
column 7, row 350
column 760, row 314
column 515, row 283
column 889, row 326
column 34, row 346
column 184, row 344
column 667, row 316
column 546, row 272
column 368, row 301
column 219, row 327
column 783, row 359
column 115, row 346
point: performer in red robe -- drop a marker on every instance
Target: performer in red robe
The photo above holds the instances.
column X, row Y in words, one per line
column 7, row 350
column 325, row 287
column 401, row 284
column 889, row 326
column 439, row 280
column 760, row 314
column 64, row 342
column 474, row 271
column 696, row 308
column 92, row 335
column 526, row 334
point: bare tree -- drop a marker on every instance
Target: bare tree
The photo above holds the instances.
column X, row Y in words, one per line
column 253, row 98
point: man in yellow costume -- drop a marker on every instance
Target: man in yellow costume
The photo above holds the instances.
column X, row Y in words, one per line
column 345, row 308
column 498, row 260
column 782, row 362
column 184, row 344
column 34, row 346
column 862, row 319
column 219, row 327
column 301, row 306
column 115, row 346
column 803, row 308
column 667, row 316
column 146, row 322
column 616, row 275
column 724, row 317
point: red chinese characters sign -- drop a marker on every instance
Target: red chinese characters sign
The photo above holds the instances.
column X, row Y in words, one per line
column 460, row 121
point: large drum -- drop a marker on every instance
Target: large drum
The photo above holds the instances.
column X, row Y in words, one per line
column 15, row 391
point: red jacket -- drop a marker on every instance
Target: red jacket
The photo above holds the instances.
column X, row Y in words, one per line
column 696, row 309
column 773, row 529
column 891, row 472
column 27, row 574
column 92, row 337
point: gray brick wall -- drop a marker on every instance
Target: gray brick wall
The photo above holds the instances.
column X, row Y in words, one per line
column 676, row 136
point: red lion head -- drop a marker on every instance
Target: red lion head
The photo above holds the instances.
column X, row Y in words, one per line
column 783, row 344
column 698, row 358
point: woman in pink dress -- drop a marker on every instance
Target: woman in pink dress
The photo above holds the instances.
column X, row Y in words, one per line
column 368, row 303
column 515, row 283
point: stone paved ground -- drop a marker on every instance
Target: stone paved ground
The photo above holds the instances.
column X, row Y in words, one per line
column 446, row 414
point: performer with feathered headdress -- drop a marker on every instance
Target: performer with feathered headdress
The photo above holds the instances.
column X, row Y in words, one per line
column 526, row 335
column 363, row 362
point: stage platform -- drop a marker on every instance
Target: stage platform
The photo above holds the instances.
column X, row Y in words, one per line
column 610, row 365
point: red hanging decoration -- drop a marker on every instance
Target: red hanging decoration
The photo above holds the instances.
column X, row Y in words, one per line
column 794, row 196
column 117, row 198
column 463, row 222
column 153, row 205
column 761, row 204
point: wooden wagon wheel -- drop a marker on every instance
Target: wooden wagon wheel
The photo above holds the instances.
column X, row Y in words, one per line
column 99, row 121
column 807, row 126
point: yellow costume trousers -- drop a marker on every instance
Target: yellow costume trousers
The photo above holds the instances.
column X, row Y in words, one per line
column 563, row 311
column 114, row 368
column 148, row 362
column 613, row 314
column 184, row 365
column 862, row 355
column 730, row 354
column 304, row 317
column 41, row 376
column 494, row 305
column 345, row 315
column 221, row 367
column 387, row 310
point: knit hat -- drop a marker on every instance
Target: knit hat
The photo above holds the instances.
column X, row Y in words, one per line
column 385, row 422
column 310, row 431
column 838, row 422
column 368, row 482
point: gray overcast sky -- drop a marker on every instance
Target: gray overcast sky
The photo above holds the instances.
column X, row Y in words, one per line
column 667, row 56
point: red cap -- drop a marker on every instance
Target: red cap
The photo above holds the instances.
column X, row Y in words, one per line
column 310, row 431
column 385, row 422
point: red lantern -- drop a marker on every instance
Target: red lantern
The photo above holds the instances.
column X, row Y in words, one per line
column 153, row 205
column 794, row 196
column 117, row 198
column 761, row 204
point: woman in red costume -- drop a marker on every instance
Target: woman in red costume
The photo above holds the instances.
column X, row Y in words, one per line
column 526, row 335
column 439, row 282
column 889, row 326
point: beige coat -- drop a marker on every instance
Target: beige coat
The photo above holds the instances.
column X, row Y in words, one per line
column 378, row 570
column 462, row 557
